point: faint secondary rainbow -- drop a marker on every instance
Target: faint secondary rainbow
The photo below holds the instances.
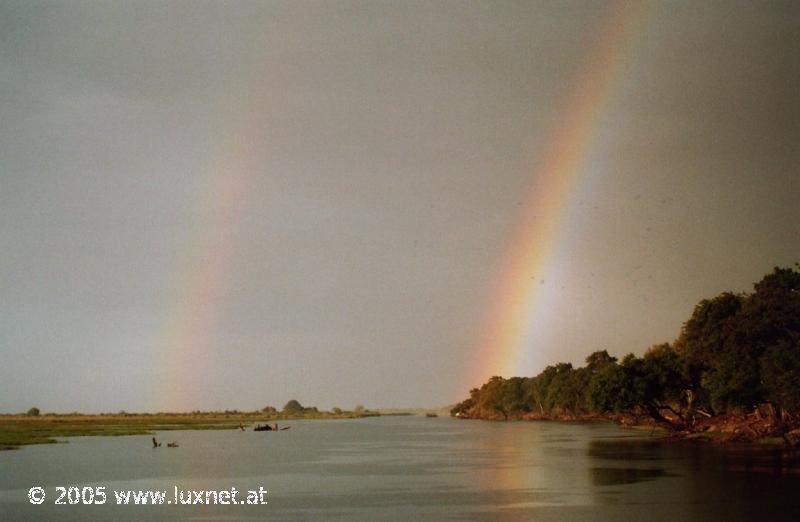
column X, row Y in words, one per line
column 190, row 341
column 512, row 310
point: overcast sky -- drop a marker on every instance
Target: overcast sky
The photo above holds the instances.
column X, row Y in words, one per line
column 228, row 205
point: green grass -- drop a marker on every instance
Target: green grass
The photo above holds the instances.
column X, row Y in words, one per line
column 20, row 430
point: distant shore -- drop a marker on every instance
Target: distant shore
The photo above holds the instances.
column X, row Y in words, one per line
column 18, row 430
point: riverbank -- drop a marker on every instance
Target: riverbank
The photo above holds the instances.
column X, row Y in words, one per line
column 21, row 430
column 752, row 428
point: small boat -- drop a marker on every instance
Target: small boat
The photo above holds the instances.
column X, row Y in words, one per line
column 172, row 444
column 431, row 415
column 267, row 427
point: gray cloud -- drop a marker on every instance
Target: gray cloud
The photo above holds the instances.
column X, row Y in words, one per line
column 386, row 148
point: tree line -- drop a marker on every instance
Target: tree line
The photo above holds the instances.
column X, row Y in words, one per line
column 736, row 353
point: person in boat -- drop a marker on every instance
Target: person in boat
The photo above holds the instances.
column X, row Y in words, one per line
column 155, row 443
column 173, row 444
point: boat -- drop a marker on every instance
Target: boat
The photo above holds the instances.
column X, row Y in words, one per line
column 431, row 415
column 267, row 427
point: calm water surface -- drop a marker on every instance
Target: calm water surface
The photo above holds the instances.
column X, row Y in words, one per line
column 401, row 468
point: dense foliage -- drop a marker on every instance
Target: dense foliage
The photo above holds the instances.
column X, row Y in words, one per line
column 735, row 353
column 295, row 407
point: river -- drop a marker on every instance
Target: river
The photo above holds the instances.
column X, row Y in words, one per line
column 407, row 468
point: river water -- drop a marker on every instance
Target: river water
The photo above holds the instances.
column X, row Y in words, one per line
column 410, row 468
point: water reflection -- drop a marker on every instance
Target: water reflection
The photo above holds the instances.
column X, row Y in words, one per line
column 421, row 469
column 612, row 476
column 690, row 480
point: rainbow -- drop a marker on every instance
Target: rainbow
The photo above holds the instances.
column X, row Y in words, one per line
column 512, row 311
column 188, row 340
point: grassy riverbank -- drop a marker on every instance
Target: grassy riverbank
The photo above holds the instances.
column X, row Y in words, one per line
column 20, row 430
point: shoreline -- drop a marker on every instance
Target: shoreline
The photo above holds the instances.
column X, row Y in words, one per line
column 728, row 429
column 18, row 430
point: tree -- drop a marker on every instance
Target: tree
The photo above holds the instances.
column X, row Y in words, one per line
column 780, row 371
column 597, row 360
column 293, row 407
column 492, row 396
column 33, row 412
column 606, row 390
column 735, row 352
column 567, row 389
column 537, row 389
column 703, row 339
column 724, row 341
column 734, row 381
column 463, row 407
column 665, row 385
column 514, row 395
